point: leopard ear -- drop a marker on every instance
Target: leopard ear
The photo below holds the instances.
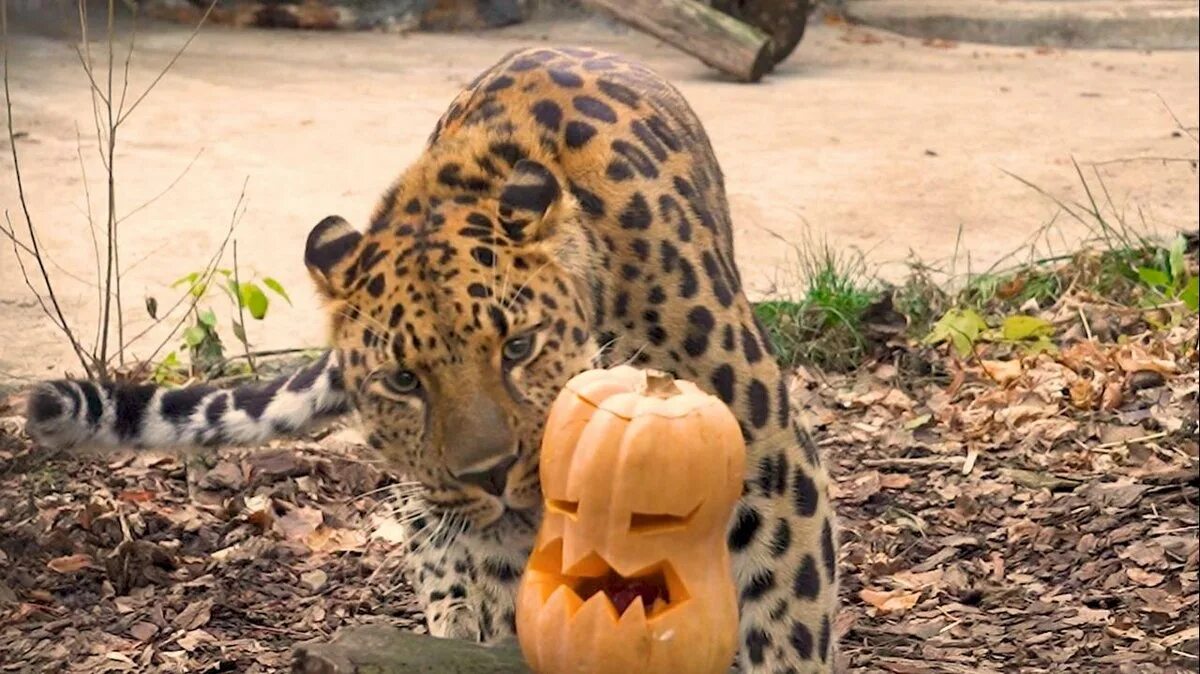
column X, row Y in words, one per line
column 328, row 254
column 529, row 201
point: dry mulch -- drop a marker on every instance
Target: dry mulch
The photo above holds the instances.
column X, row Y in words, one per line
column 1033, row 514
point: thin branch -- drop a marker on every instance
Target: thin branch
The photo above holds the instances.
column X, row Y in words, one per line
column 87, row 195
column 209, row 271
column 33, row 241
column 164, row 191
column 170, row 63
column 1178, row 123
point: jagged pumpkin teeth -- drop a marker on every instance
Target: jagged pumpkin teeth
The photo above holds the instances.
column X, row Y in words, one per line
column 659, row 607
column 640, row 473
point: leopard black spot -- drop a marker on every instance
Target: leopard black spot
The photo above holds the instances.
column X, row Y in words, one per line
column 413, row 206
column 823, row 638
column 484, row 256
column 783, row 408
column 656, row 295
column 746, row 525
column 828, row 553
column 636, row 214
column 781, row 540
column 750, row 346
column 589, row 202
column 499, row 320
column 396, row 316
column 807, row 583
column 802, row 640
column 689, row 285
column 723, row 381
column 621, row 304
column 700, row 325
column 760, row 583
column 548, row 114
column 500, row 569
column 501, row 82
column 618, row 171
column 578, row 134
column 523, row 64
column 479, row 290
column 663, row 132
column 618, row 92
column 595, row 108
column 716, row 278
column 376, row 285
column 640, row 160
column 565, row 78
column 804, row 493
column 760, row 405
column 672, row 212
column 656, row 334
column 727, row 339
column 772, row 474
column 757, row 641
column 579, row 336
column 647, row 137
column 511, row 153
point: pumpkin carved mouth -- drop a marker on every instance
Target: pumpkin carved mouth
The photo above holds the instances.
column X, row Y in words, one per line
column 656, row 588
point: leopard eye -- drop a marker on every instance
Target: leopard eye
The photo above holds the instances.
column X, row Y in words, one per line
column 518, row 348
column 403, row 382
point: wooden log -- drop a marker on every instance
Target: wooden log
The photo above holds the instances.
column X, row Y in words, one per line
column 378, row 649
column 717, row 39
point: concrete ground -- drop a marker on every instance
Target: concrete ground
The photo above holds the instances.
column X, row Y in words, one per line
column 1117, row 24
column 875, row 141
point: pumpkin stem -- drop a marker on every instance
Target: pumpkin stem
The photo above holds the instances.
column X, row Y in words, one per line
column 658, row 384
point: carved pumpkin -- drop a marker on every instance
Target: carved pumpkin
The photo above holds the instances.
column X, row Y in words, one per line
column 630, row 571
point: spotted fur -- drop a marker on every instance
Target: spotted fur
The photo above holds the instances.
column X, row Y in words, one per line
column 567, row 212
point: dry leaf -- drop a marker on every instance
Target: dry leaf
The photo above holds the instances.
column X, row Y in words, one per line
column 1145, row 578
column 893, row 601
column 298, row 523
column 70, row 563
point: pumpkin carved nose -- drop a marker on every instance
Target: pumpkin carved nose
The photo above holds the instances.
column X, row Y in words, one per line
column 491, row 480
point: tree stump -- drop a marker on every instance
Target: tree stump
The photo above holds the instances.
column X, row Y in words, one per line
column 783, row 20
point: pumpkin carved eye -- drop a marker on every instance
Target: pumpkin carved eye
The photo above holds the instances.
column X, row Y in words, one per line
column 563, row 507
column 653, row 523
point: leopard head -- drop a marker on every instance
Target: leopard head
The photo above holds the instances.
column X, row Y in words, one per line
column 457, row 324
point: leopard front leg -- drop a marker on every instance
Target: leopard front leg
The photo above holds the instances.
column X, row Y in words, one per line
column 466, row 587
column 785, row 561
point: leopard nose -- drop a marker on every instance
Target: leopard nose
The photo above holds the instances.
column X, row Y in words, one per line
column 492, row 480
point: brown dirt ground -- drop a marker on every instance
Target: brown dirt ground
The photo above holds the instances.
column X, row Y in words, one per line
column 1039, row 515
column 878, row 142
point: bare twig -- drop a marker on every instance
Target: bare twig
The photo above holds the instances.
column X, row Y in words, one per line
column 165, row 190
column 209, row 270
column 199, row 24
column 58, row 315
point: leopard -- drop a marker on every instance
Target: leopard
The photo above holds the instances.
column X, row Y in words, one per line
column 568, row 212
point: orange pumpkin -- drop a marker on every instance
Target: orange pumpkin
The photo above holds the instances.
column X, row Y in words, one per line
column 630, row 571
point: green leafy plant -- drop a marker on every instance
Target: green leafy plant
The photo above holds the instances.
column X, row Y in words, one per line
column 1167, row 279
column 202, row 339
column 965, row 328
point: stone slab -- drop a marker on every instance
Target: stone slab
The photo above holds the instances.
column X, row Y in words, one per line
column 1107, row 24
